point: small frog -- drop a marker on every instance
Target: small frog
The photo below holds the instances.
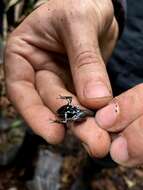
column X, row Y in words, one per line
column 70, row 113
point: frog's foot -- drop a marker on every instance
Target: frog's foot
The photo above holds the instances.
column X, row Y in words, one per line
column 68, row 98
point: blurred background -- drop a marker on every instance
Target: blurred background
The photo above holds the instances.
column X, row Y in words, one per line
column 27, row 162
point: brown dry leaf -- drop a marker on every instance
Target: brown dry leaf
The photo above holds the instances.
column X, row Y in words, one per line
column 130, row 183
column 139, row 173
column 103, row 184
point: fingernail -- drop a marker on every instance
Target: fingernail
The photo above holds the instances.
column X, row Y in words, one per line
column 86, row 148
column 96, row 90
column 119, row 150
column 107, row 116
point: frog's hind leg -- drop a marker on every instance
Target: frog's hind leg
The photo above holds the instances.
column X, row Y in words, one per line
column 68, row 98
column 58, row 121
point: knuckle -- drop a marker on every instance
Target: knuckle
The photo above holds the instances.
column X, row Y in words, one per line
column 12, row 45
column 86, row 58
column 76, row 11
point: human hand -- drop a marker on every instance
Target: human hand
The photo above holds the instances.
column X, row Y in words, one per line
column 61, row 49
column 124, row 116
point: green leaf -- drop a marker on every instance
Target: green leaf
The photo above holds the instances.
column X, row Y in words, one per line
column 16, row 123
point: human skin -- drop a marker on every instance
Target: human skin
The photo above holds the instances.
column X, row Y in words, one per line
column 55, row 51
column 62, row 49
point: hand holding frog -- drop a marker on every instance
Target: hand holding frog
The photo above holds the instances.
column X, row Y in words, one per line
column 62, row 48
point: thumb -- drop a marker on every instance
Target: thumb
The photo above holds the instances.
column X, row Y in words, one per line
column 127, row 149
column 87, row 65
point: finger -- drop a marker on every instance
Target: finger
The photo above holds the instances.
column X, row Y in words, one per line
column 95, row 139
column 127, row 149
column 123, row 110
column 88, row 68
column 20, row 86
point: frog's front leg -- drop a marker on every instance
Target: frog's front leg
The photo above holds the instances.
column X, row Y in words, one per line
column 68, row 98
